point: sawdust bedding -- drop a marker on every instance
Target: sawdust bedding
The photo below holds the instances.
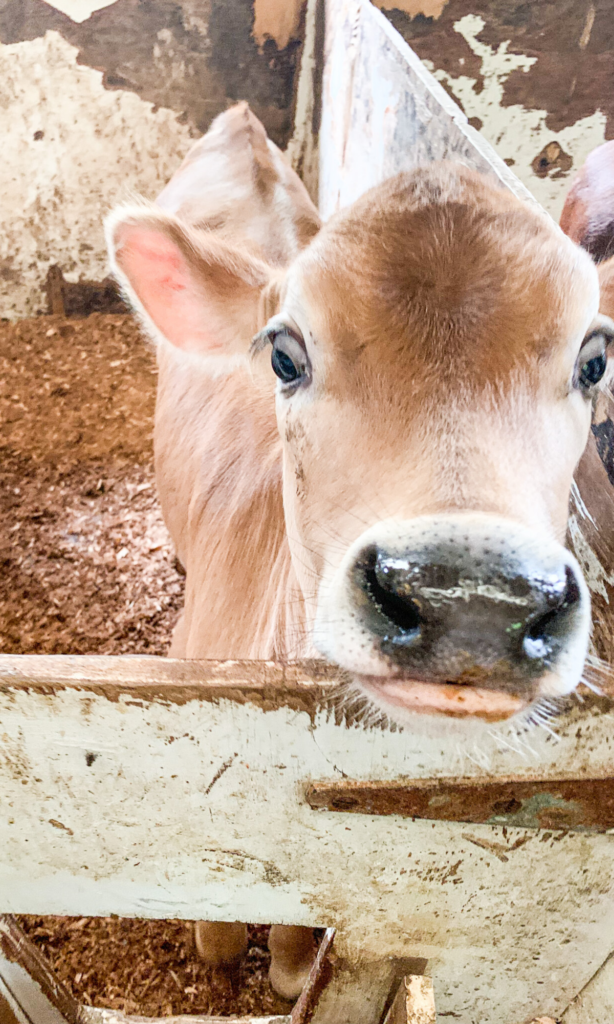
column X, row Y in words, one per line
column 150, row 968
column 87, row 567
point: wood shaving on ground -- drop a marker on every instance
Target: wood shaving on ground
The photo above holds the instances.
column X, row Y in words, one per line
column 87, row 567
column 151, row 969
column 87, row 563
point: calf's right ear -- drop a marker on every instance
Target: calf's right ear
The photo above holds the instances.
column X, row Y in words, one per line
column 197, row 292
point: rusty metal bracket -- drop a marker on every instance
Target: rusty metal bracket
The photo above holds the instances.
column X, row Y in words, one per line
column 575, row 805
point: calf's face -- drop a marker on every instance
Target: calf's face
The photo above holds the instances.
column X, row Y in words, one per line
column 436, row 348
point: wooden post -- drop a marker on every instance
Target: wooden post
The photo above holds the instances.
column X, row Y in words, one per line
column 360, row 992
column 54, row 289
column 414, row 1002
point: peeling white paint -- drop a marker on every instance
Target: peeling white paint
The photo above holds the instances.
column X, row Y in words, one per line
column 144, row 830
column 79, row 10
column 518, row 134
column 98, row 147
column 383, row 112
column 597, row 578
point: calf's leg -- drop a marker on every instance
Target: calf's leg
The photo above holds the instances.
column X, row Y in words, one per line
column 292, row 953
column 219, row 943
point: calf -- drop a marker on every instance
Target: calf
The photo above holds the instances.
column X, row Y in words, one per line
column 588, row 213
column 397, row 500
column 588, row 216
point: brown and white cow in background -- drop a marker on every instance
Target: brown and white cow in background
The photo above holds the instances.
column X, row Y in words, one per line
column 588, row 218
column 397, row 500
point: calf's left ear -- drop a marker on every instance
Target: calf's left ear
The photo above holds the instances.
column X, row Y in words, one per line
column 199, row 293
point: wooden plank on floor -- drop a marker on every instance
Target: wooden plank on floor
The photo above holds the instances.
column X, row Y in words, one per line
column 94, row 1015
column 28, row 985
column 414, row 1002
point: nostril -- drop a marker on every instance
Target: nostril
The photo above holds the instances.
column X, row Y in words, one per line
column 572, row 594
column 400, row 610
column 537, row 642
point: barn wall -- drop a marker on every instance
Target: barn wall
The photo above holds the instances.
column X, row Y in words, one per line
column 537, row 79
column 100, row 99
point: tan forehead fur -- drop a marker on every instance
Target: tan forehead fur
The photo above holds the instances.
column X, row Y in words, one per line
column 438, row 266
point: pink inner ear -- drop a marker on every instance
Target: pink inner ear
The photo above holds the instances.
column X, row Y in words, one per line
column 165, row 286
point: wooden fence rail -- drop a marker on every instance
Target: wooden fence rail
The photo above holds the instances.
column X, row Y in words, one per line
column 150, row 788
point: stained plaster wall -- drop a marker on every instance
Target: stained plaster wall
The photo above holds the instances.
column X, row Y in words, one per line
column 537, row 79
column 99, row 101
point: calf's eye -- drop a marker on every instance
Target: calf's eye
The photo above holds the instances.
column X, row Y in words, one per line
column 283, row 366
column 592, row 361
column 289, row 358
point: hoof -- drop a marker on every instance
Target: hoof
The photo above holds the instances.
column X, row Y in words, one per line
column 218, row 943
column 288, row 984
column 292, row 953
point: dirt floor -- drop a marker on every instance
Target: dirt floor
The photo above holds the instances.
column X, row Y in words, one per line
column 150, row 968
column 87, row 567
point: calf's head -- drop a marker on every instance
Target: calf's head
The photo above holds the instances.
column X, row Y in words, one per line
column 436, row 347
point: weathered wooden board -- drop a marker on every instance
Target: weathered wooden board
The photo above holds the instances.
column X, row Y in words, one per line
column 93, row 1015
column 31, row 990
column 94, row 110
column 383, row 112
column 595, row 1004
column 512, row 67
column 578, row 805
column 156, row 795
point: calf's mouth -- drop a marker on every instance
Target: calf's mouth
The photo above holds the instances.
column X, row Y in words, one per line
column 452, row 700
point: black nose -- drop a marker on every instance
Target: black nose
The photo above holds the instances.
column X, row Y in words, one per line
column 451, row 613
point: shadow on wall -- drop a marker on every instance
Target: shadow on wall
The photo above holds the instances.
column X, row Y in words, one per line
column 81, row 298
